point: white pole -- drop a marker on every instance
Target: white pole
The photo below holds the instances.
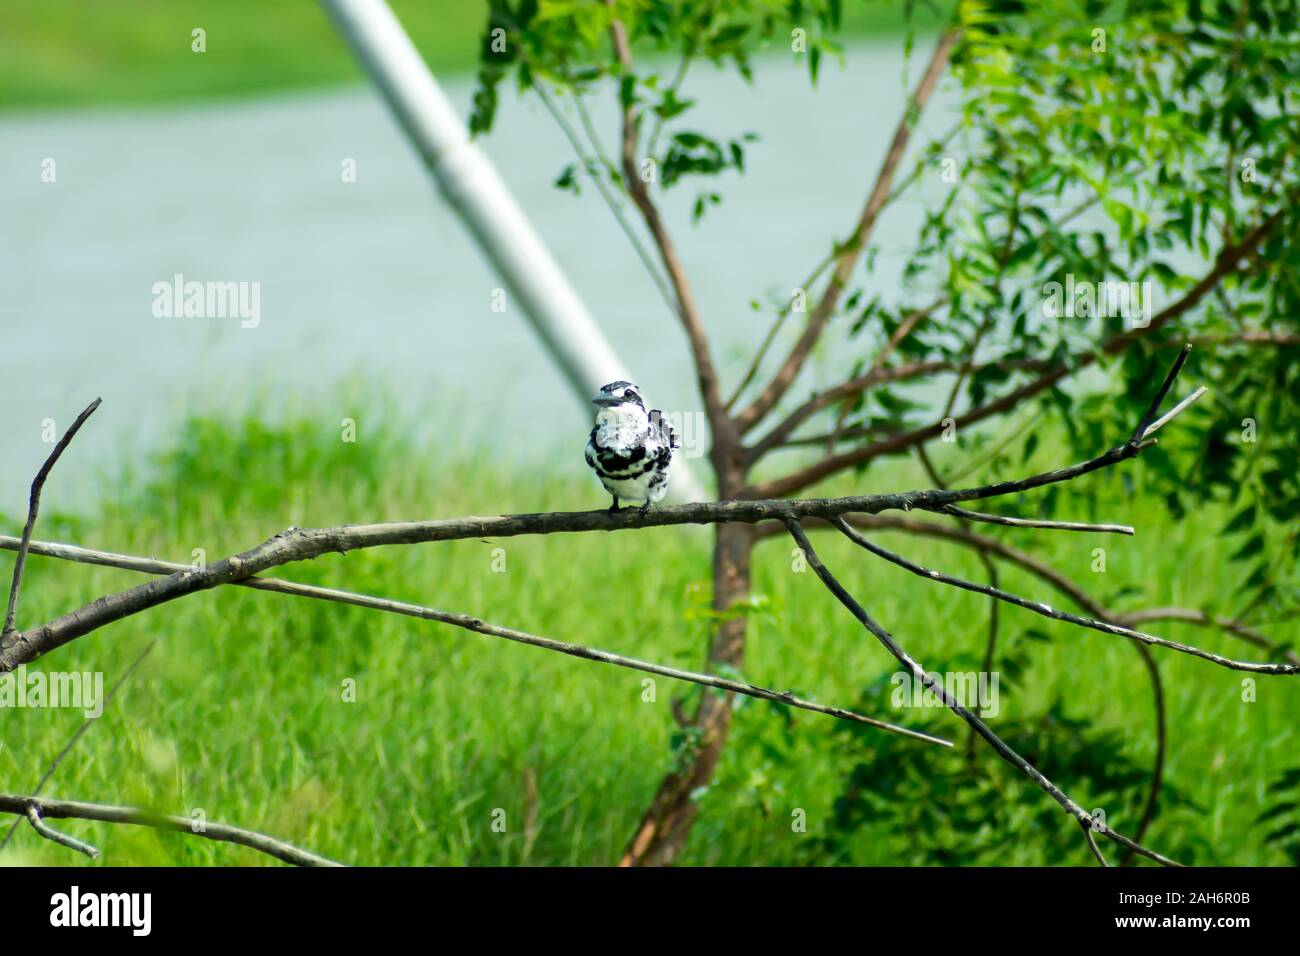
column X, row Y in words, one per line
column 471, row 184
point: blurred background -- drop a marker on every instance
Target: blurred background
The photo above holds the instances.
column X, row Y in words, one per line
column 375, row 307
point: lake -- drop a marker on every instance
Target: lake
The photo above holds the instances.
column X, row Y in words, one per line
column 374, row 281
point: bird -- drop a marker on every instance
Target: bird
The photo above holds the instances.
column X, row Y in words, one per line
column 630, row 449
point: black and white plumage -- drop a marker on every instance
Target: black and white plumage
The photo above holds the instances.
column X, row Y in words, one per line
column 630, row 449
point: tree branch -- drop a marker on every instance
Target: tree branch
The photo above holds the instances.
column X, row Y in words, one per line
column 152, row 566
column 1027, row 562
column 37, row 809
column 33, row 506
column 1035, row 523
column 919, row 674
column 1046, row 611
column 1228, row 262
column 876, row 200
column 298, row 545
column 687, row 310
column 34, row 818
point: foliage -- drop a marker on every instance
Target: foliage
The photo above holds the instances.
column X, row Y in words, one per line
column 1113, row 149
column 1173, row 125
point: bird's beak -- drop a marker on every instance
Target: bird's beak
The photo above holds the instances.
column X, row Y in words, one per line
column 604, row 401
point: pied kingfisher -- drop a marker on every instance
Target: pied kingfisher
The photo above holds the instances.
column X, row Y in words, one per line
column 630, row 449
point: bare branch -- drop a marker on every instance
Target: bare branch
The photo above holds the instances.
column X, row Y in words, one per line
column 1092, row 843
column 1178, row 409
column 876, row 201
column 1005, row 552
column 37, row 809
column 611, row 201
column 687, row 310
column 72, row 843
column 1159, row 399
column 33, row 506
column 919, row 674
column 153, row 566
column 299, row 545
column 1047, row 611
column 1034, row 522
column 1192, row 616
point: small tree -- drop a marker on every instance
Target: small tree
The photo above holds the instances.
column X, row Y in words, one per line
column 1102, row 153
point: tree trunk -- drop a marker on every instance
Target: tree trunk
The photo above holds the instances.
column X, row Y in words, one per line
column 663, row 830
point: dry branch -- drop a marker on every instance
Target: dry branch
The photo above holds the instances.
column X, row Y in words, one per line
column 1035, row 522
column 919, row 674
column 128, row 562
column 1147, row 425
column 687, row 310
column 298, row 544
column 876, row 200
column 1047, row 611
column 39, row 809
column 33, row 506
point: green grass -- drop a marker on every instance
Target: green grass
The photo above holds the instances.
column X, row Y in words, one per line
column 238, row 710
column 74, row 53
column 61, row 53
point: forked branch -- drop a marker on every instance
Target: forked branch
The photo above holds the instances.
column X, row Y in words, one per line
column 1146, row 426
column 852, row 248
column 919, row 674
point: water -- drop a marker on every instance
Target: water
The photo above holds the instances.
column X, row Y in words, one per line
column 376, row 280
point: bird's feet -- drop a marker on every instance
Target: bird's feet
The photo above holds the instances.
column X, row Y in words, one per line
column 645, row 507
column 613, row 509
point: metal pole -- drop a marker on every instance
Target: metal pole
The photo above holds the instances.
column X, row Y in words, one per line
column 471, row 184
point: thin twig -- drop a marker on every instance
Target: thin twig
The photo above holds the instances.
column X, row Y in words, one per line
column 33, row 506
column 1092, row 843
column 1177, row 410
column 37, row 808
column 1162, row 736
column 1188, row 615
column 72, row 843
column 1047, row 611
column 1145, row 426
column 1005, row 552
column 1033, row 522
column 605, row 194
column 919, row 674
